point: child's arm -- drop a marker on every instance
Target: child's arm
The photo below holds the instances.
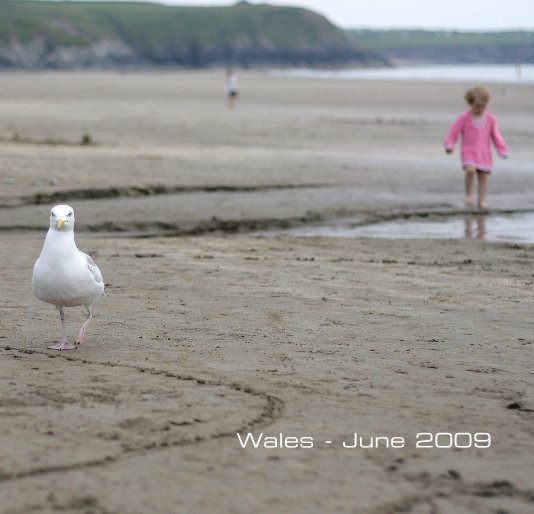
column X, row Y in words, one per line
column 452, row 134
column 498, row 141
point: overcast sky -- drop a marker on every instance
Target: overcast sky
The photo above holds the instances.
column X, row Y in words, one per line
column 431, row 14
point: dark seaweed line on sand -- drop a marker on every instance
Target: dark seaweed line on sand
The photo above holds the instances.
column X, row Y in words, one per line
column 140, row 191
column 438, row 213
column 166, row 229
column 85, row 140
column 271, row 411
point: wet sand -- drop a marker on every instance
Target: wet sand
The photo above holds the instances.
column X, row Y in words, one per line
column 198, row 338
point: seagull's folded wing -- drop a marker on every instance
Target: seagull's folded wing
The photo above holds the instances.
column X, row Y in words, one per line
column 93, row 268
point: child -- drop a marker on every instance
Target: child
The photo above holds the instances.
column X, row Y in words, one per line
column 231, row 88
column 477, row 128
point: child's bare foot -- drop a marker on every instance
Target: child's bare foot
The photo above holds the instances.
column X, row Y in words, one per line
column 468, row 201
column 483, row 206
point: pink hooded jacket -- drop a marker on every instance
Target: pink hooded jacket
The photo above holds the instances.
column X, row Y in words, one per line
column 476, row 137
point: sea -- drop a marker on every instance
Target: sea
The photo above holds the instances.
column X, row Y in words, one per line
column 496, row 73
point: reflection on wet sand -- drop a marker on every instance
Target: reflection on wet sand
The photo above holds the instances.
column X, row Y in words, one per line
column 481, row 226
column 475, row 227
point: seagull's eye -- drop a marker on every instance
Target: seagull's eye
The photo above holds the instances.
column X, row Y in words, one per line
column 69, row 214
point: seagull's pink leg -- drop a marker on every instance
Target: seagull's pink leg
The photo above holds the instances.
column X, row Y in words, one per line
column 64, row 345
column 81, row 333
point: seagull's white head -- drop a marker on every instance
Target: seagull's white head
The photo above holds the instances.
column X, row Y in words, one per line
column 62, row 218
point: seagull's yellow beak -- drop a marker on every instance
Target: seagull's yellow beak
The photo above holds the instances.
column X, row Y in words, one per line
column 59, row 223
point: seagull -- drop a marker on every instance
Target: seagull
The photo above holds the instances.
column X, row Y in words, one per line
column 64, row 276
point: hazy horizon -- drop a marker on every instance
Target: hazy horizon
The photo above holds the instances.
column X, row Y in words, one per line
column 477, row 15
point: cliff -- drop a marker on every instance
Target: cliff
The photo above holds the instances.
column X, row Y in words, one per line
column 66, row 35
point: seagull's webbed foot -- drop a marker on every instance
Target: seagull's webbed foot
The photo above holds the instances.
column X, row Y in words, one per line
column 65, row 345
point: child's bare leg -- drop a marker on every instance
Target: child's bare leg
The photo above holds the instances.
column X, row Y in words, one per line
column 482, row 189
column 470, row 173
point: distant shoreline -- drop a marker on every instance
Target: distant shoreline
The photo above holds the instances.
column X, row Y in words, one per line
column 510, row 73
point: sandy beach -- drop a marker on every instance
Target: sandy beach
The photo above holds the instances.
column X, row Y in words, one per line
column 207, row 330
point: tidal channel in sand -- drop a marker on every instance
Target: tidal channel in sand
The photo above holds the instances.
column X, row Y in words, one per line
column 505, row 228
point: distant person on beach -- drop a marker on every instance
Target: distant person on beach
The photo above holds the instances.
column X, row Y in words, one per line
column 477, row 128
column 231, row 88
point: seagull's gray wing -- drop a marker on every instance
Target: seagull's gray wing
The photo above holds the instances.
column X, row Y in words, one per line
column 93, row 268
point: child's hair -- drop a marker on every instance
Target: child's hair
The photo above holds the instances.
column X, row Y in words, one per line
column 477, row 93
